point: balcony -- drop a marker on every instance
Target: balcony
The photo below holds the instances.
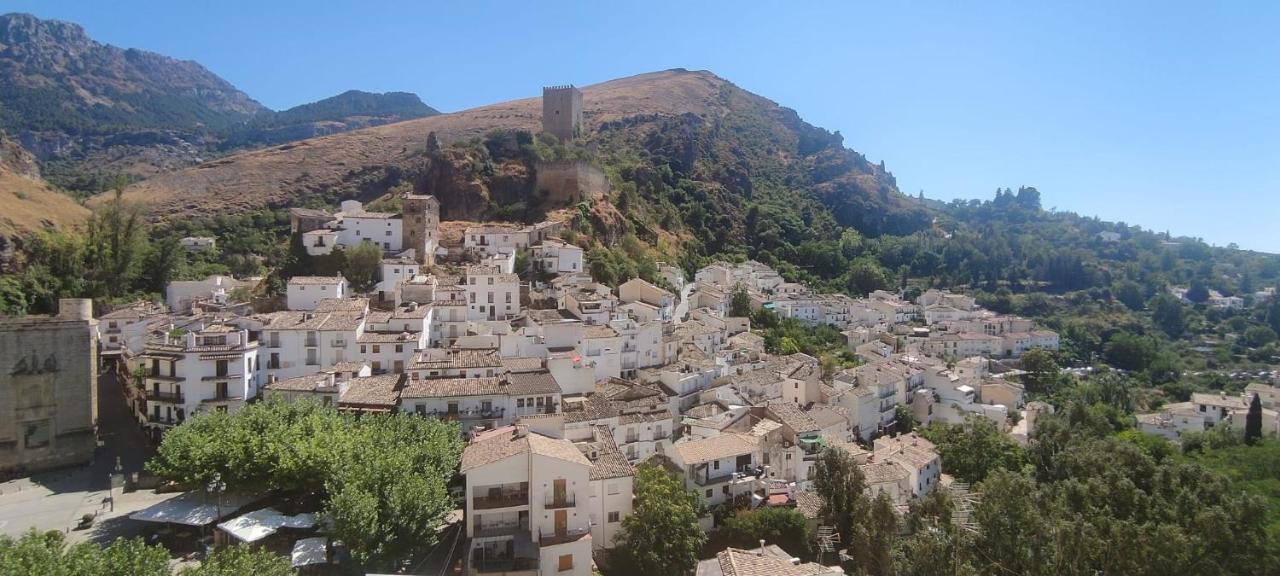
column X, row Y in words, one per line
column 273, row 344
column 222, row 377
column 154, row 374
column 553, row 501
column 563, row 536
column 500, row 500
column 501, row 529
column 338, row 343
column 163, row 420
column 508, row 567
column 219, row 398
column 158, row 396
column 312, row 342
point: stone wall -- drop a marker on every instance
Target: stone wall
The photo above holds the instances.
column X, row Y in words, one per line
column 569, row 182
column 48, row 389
column 562, row 111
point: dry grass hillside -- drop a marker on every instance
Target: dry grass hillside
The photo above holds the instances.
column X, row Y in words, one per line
column 283, row 175
column 31, row 204
column 28, row 203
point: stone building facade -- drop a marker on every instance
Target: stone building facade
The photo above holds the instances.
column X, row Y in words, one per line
column 562, row 111
column 48, row 389
column 421, row 217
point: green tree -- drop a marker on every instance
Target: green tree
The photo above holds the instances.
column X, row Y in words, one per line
column 1198, row 293
column 1130, row 294
column 740, row 304
column 973, row 450
column 1042, row 370
column 842, row 486
column 1129, row 351
column 47, row 554
column 1253, row 421
column 239, row 560
column 364, row 262
column 381, row 478
column 1168, row 313
column 882, row 533
column 785, row 527
column 661, row 536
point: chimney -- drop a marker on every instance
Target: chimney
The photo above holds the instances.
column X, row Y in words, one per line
column 762, row 546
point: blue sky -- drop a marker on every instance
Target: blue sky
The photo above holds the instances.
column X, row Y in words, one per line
column 1164, row 114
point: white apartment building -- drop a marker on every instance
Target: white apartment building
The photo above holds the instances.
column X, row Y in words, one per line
column 637, row 290
column 355, row 225
column 495, row 238
column 486, row 403
column 529, row 505
column 306, row 292
column 296, row 343
column 491, row 293
column 179, row 295
column 554, row 256
column 720, row 469
column 396, row 270
column 126, row 330
column 215, row 368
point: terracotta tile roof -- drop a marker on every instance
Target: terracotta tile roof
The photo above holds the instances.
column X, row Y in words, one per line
column 609, row 462
column 523, row 364
column 524, row 383
column 458, row 358
column 383, row 390
column 715, row 448
column 505, row 442
column 451, row 387
column 809, row 503
column 315, row 280
column 792, row 416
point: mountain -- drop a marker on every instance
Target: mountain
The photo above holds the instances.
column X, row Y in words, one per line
column 90, row 111
column 720, row 145
column 350, row 110
column 30, row 203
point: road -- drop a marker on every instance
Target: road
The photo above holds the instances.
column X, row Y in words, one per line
column 56, row 500
column 682, row 308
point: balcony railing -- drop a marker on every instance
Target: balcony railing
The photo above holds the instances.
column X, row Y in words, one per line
column 564, row 536
column 273, row 344
column 553, row 501
column 312, row 342
column 501, row 529
column 156, row 396
column 500, row 500
column 152, row 418
column 225, row 376
column 510, row 565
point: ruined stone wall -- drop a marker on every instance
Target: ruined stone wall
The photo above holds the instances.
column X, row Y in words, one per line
column 569, row 182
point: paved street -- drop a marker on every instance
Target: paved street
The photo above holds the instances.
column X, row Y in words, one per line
column 56, row 500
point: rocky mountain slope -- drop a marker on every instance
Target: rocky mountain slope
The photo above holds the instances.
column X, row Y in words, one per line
column 29, row 203
column 728, row 145
column 90, row 111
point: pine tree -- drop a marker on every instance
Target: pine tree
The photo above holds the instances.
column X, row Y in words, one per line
column 1253, row 421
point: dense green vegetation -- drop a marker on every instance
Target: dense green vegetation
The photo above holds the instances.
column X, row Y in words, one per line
column 382, row 479
column 661, row 536
column 47, row 554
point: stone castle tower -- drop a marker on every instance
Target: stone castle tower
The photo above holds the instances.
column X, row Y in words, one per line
column 562, row 111
column 421, row 221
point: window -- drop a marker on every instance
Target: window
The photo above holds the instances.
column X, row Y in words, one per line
column 709, row 492
column 613, row 517
column 491, row 280
column 519, row 402
column 715, row 465
column 566, row 562
column 399, row 348
column 377, row 349
column 362, row 350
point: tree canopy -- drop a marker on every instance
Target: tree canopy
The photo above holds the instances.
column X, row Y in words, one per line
column 661, row 536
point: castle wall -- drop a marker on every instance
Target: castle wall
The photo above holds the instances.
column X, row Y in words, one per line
column 48, row 389
column 569, row 182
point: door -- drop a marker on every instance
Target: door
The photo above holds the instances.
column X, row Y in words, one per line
column 558, row 490
column 562, row 522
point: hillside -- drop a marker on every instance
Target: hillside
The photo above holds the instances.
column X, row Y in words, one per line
column 30, row 204
column 698, row 126
column 90, row 111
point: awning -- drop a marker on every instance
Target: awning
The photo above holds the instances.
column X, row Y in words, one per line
column 259, row 524
column 194, row 508
column 308, row 551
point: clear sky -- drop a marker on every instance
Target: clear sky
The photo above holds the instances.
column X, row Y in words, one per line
column 1164, row 113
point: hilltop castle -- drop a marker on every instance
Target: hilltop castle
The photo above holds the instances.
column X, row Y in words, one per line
column 562, row 111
